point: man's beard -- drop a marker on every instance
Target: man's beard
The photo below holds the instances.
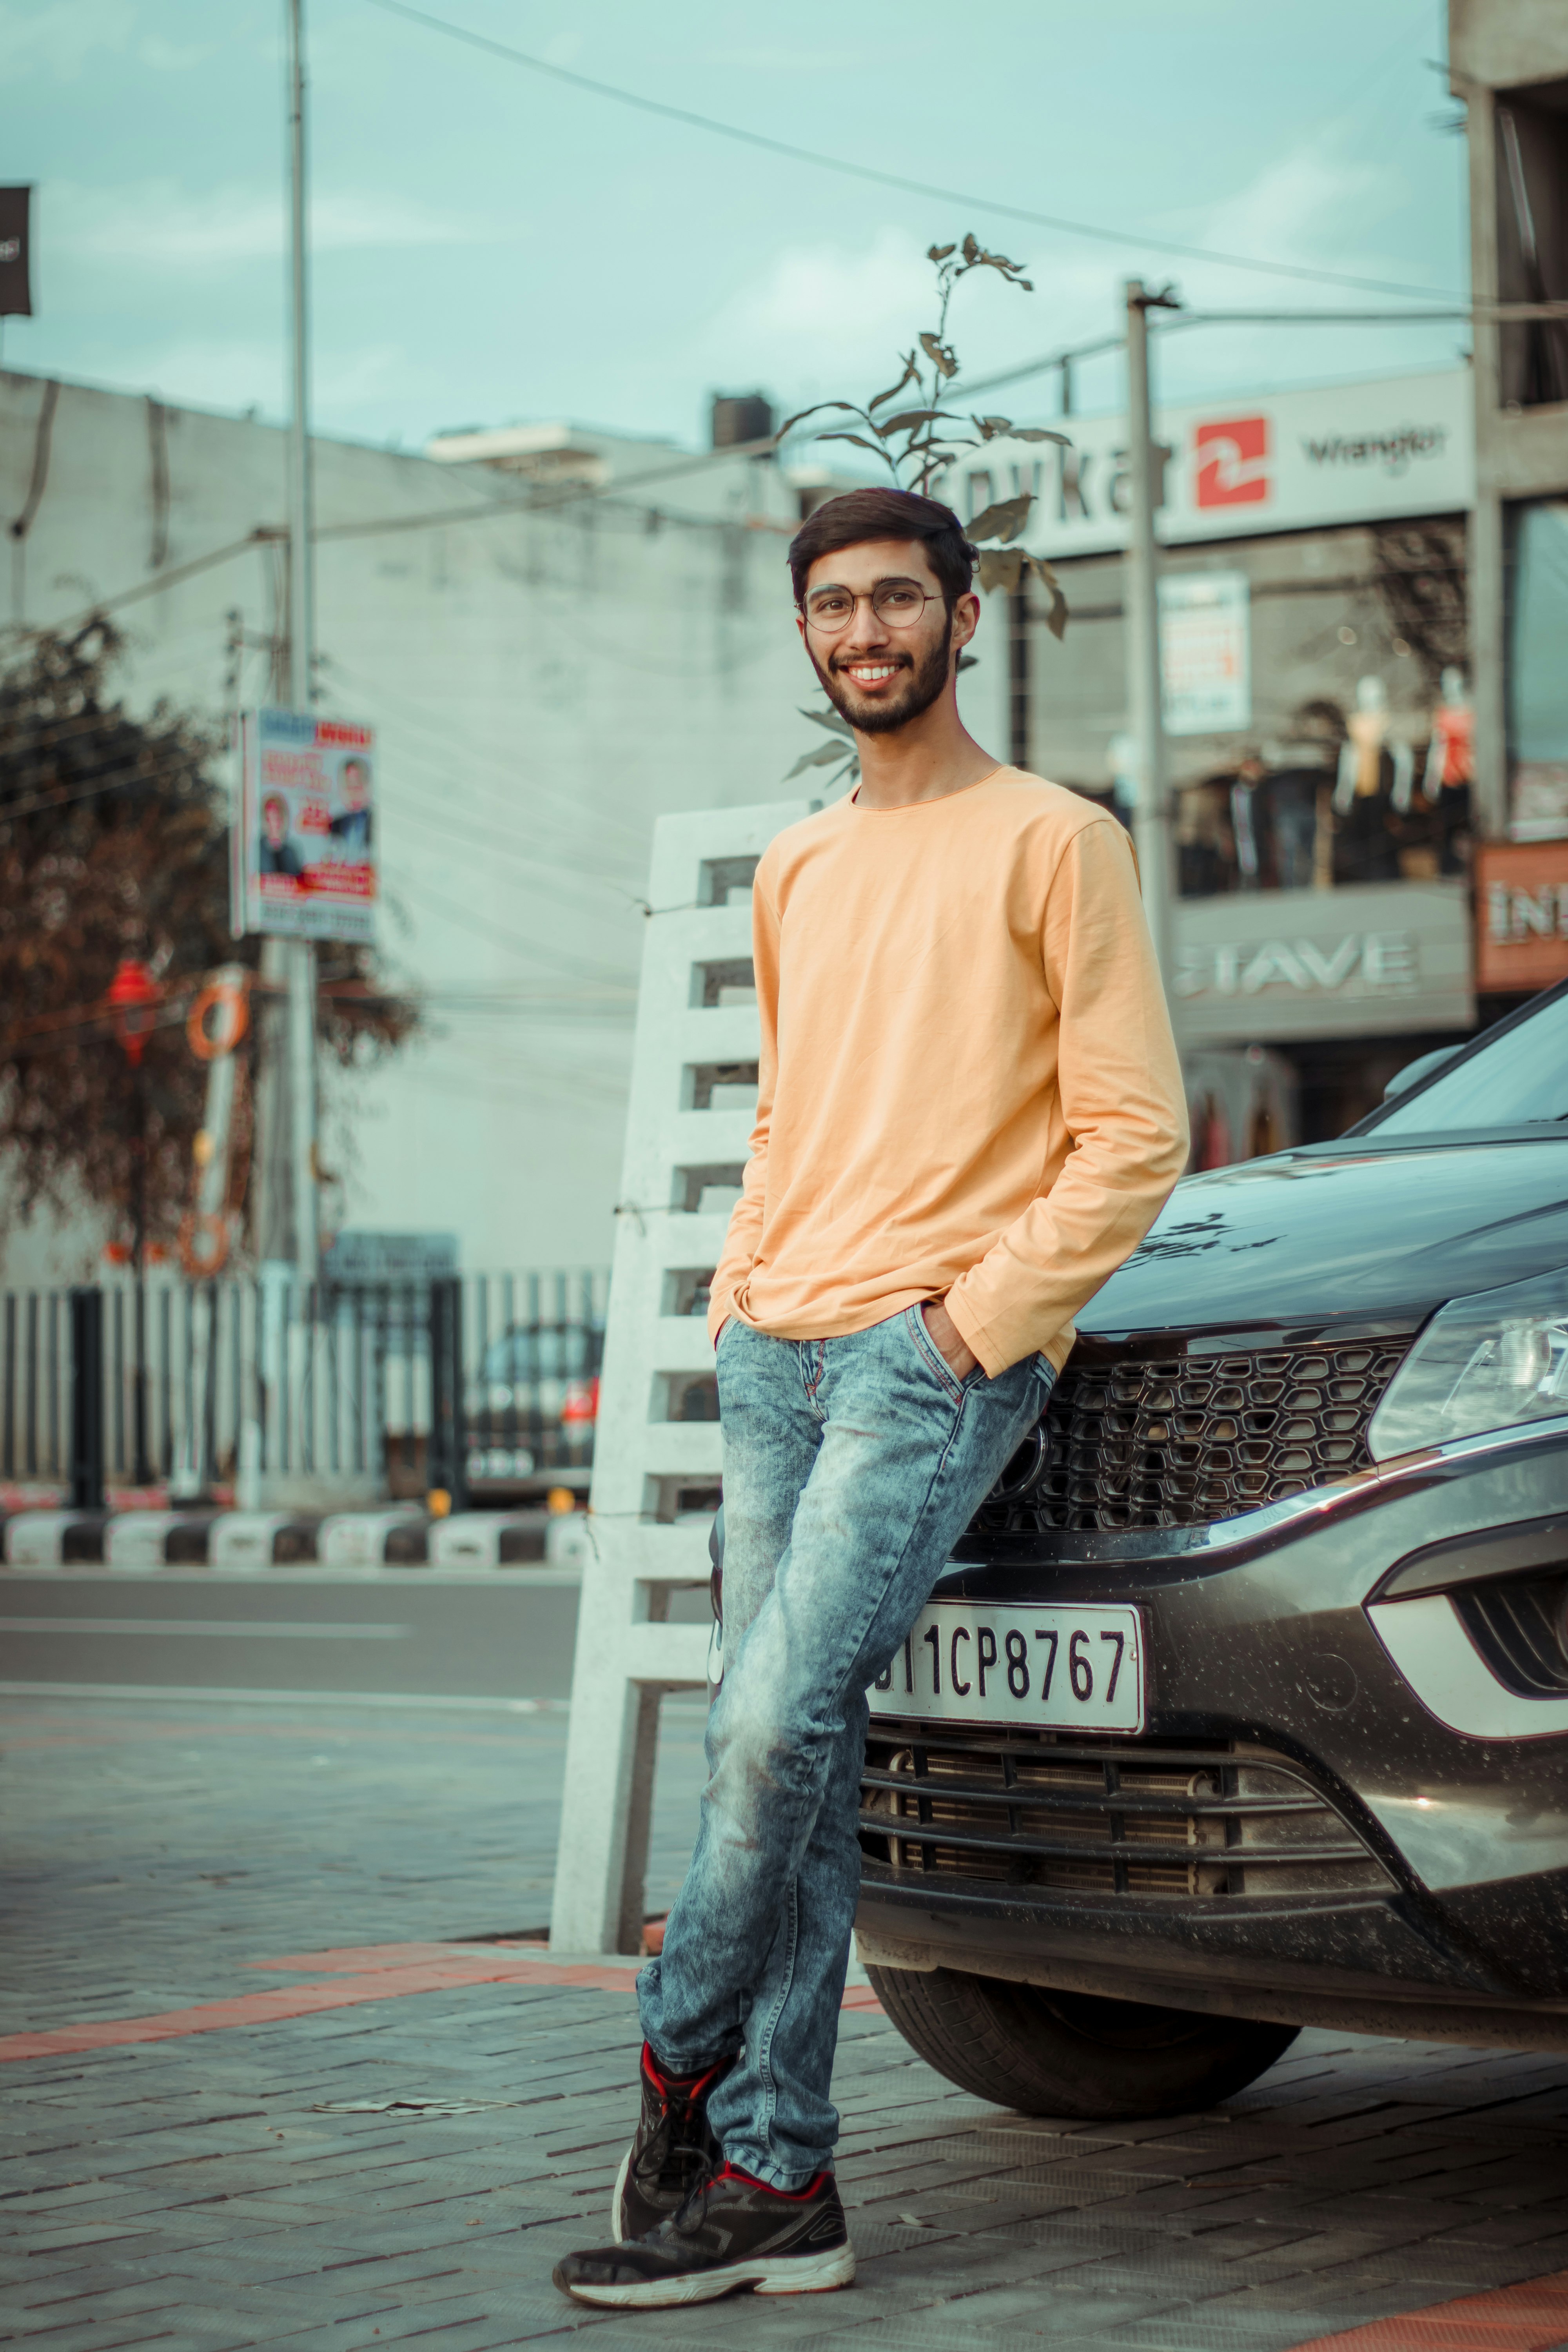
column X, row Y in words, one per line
column 924, row 684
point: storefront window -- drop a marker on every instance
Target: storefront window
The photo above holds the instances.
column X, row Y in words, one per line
column 1538, row 673
column 1350, row 798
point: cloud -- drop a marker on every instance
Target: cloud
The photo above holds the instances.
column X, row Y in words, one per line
column 60, row 36
column 158, row 226
column 1308, row 206
column 831, row 320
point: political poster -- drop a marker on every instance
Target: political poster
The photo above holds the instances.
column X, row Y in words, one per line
column 305, row 835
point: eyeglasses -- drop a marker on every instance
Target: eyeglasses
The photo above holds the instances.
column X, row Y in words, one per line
column 898, row 602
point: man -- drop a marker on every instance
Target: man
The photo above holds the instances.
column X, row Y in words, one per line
column 350, row 829
column 278, row 854
column 969, row 1111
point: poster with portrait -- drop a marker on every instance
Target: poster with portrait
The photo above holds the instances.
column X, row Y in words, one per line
column 305, row 837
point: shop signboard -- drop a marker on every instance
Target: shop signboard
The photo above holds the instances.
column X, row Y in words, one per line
column 1205, row 658
column 1327, row 454
column 1521, row 915
column 1371, row 959
column 362, row 1257
column 303, row 854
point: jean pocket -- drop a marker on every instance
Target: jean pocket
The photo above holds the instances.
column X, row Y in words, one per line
column 931, row 1355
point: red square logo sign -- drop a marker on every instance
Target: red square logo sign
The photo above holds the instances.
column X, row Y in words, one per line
column 1231, row 462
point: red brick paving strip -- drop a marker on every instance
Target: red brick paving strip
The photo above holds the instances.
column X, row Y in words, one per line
column 1530, row 2318
column 366, row 1972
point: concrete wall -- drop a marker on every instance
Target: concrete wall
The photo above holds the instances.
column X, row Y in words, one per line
column 543, row 684
column 1505, row 43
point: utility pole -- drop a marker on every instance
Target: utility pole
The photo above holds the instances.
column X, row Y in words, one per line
column 301, row 953
column 1146, row 473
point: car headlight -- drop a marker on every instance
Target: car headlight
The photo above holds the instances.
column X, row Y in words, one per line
column 1489, row 1362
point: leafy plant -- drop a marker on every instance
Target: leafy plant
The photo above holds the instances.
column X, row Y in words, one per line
column 113, row 841
column 917, row 442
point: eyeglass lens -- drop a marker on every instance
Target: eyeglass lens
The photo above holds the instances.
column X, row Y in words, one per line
column 898, row 602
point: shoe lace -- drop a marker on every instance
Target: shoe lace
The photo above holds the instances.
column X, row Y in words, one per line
column 678, row 2155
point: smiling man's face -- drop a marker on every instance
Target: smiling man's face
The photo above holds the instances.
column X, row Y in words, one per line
column 879, row 673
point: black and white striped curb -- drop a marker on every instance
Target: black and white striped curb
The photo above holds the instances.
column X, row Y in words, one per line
column 239, row 1543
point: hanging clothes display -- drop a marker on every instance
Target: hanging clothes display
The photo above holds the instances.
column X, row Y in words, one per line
column 1372, row 791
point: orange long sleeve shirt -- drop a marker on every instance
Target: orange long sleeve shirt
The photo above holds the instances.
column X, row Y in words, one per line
column 967, row 1084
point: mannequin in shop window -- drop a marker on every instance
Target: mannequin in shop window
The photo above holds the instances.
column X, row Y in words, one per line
column 1298, row 795
column 1450, row 769
column 1373, row 791
column 1205, row 848
column 1246, row 822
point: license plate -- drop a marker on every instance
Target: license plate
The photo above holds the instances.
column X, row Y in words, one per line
column 1052, row 1667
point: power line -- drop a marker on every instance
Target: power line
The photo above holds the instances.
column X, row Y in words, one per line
column 1136, row 239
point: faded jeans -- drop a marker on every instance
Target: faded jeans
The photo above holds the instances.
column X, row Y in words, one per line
column 851, row 1468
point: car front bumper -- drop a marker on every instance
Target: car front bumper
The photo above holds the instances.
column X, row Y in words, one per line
column 1265, row 1639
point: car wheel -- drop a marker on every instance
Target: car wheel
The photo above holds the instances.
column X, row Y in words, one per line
column 1073, row 2053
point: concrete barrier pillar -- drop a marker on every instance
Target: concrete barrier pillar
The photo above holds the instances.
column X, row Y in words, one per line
column 657, row 1457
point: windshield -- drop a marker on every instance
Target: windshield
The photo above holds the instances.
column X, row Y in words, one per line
column 1518, row 1080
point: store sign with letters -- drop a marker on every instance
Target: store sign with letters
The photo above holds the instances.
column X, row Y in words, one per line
column 1370, row 959
column 1521, row 915
column 1336, row 453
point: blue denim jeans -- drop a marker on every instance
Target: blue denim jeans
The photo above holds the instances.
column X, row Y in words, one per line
column 851, row 1468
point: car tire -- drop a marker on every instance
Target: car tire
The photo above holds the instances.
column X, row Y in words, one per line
column 1071, row 2053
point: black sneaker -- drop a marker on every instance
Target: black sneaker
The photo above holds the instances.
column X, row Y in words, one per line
column 732, row 2231
column 673, row 2152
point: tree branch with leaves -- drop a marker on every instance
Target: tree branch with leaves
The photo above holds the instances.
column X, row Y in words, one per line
column 919, row 441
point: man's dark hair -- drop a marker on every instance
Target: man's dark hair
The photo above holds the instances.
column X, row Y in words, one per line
column 860, row 515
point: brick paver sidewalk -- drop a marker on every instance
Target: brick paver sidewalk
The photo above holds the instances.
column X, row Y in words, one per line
column 401, row 2155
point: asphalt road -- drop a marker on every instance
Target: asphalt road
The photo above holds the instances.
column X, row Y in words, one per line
column 507, row 1634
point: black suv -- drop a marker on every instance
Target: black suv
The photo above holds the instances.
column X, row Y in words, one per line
column 1244, row 1705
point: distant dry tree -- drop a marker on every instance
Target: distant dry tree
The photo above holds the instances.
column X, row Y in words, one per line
column 917, row 444
column 114, row 843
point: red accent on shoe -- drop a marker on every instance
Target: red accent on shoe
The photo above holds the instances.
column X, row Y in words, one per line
column 814, row 2187
column 687, row 2086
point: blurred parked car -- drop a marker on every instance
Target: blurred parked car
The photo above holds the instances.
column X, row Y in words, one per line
column 532, row 1408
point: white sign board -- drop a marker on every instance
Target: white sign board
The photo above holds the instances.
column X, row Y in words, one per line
column 1374, row 958
column 1205, row 652
column 303, row 847
column 1282, row 461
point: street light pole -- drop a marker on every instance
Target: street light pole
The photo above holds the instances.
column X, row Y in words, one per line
column 133, row 995
column 301, row 640
column 1146, row 468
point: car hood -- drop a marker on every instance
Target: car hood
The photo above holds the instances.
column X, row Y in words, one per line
column 1304, row 1240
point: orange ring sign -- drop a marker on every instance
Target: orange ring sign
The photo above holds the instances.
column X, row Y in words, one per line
column 200, row 1262
column 207, row 1044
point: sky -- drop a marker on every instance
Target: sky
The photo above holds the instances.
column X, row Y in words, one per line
column 491, row 245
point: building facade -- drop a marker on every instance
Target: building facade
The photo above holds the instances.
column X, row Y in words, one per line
column 1508, row 64
column 558, row 635
column 1315, row 652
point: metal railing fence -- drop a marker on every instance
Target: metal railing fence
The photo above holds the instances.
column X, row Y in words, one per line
column 265, row 1376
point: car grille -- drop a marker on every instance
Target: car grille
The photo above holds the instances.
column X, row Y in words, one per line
column 1519, row 1626
column 1177, row 1819
column 1177, row 1442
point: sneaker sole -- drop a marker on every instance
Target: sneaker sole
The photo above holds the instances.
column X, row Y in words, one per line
column 616, row 2230
column 781, row 2274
